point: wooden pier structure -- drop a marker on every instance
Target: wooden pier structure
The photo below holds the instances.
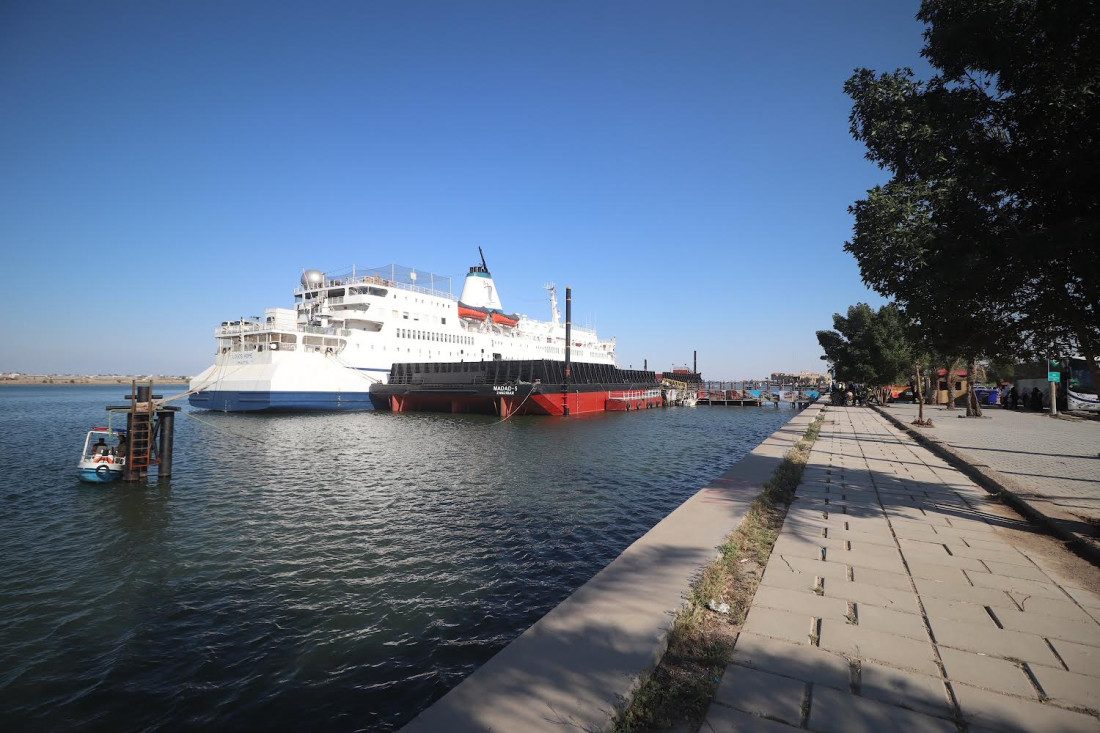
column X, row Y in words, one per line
column 742, row 394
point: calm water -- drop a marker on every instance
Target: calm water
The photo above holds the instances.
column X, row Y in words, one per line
column 335, row 571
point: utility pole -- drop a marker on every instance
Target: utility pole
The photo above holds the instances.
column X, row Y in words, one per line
column 1054, row 376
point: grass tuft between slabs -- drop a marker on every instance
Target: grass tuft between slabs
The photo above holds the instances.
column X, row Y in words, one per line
column 700, row 642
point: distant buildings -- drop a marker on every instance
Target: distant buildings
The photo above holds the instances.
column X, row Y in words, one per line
column 808, row 379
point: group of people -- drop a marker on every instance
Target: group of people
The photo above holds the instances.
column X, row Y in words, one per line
column 849, row 394
column 100, row 448
column 1011, row 399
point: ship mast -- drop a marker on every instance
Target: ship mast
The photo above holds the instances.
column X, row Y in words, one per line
column 555, row 315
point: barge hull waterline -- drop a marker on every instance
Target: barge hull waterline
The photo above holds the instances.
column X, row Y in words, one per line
column 289, row 401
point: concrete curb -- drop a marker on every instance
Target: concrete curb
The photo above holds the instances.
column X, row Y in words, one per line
column 577, row 666
column 997, row 484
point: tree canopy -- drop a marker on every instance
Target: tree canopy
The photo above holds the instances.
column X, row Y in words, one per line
column 868, row 346
column 987, row 234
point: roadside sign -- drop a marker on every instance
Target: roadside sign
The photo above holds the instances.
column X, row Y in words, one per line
column 1054, row 376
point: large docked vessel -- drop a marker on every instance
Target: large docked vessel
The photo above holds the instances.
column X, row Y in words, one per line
column 527, row 387
column 345, row 332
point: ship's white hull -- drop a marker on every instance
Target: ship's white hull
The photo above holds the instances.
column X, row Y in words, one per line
column 344, row 333
column 258, row 382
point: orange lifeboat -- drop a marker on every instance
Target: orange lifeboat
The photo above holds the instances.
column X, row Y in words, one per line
column 474, row 314
column 503, row 319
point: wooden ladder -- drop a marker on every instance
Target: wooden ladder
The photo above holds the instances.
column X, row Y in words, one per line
column 141, row 441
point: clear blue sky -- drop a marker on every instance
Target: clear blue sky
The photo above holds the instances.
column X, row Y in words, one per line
column 686, row 166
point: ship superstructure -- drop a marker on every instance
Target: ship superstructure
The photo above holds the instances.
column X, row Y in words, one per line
column 346, row 331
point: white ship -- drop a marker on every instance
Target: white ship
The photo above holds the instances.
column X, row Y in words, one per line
column 345, row 331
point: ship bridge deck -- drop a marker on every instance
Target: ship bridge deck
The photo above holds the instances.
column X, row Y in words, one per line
column 390, row 276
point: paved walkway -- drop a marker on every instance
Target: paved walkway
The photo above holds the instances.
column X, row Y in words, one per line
column 891, row 601
column 1056, row 461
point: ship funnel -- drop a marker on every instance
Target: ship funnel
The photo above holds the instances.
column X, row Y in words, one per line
column 479, row 290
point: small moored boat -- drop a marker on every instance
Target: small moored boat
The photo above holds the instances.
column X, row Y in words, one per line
column 100, row 461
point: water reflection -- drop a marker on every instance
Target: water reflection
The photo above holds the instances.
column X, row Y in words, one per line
column 339, row 568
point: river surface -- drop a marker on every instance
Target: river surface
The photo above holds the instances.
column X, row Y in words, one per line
column 334, row 571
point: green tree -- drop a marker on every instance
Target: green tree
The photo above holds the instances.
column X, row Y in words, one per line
column 868, row 346
column 986, row 234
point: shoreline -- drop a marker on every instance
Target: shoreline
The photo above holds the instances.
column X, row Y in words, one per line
column 579, row 664
column 73, row 380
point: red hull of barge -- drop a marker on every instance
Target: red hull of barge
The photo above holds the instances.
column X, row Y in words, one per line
column 580, row 403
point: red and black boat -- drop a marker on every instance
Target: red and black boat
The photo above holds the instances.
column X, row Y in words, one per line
column 527, row 387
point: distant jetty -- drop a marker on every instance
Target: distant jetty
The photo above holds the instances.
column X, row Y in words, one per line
column 61, row 379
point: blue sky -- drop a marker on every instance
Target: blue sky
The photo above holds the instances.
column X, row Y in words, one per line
column 686, row 167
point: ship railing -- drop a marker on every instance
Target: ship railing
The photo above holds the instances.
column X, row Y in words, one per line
column 638, row 394
column 255, row 327
column 325, row 330
column 391, row 276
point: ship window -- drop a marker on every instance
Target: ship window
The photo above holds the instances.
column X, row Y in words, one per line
column 443, row 321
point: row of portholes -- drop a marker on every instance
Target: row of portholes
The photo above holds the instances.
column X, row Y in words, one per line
column 444, row 338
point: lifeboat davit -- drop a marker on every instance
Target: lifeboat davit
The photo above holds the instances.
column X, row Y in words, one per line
column 503, row 319
column 472, row 313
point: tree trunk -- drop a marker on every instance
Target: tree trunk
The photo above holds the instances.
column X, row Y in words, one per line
column 920, row 396
column 973, row 409
column 951, row 385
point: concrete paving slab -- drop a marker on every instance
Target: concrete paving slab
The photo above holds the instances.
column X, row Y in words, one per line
column 1086, row 598
column 809, row 603
column 1016, row 570
column 889, row 649
column 909, row 625
column 964, row 592
column 833, row 711
column 961, row 611
column 988, row 552
column 1016, row 585
column 940, row 558
column 882, row 578
column 923, row 693
column 870, row 557
column 1079, row 658
column 1004, row 713
column 762, row 694
column 992, row 673
column 784, row 578
column 722, row 719
column 799, row 661
column 935, row 571
column 1061, row 608
column 1051, row 627
column 993, row 641
column 1068, row 688
column 873, row 595
column 795, row 627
